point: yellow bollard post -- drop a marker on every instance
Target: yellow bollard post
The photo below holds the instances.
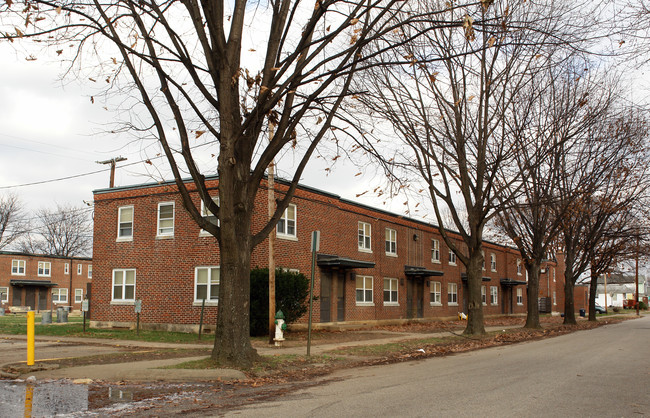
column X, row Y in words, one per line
column 30, row 338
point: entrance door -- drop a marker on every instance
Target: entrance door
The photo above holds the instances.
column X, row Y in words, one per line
column 325, row 297
column 409, row 298
column 420, row 298
column 340, row 298
column 30, row 297
column 18, row 293
column 42, row 298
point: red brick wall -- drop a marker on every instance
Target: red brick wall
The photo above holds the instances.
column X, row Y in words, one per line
column 165, row 267
column 70, row 281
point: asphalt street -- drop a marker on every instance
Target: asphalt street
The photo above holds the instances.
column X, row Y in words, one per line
column 600, row 373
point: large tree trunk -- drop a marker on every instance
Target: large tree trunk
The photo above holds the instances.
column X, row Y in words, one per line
column 474, row 304
column 532, row 317
column 569, row 305
column 593, row 288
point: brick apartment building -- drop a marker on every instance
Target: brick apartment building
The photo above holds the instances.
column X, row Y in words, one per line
column 41, row 282
column 372, row 264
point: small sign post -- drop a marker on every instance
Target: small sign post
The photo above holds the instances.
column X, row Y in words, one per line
column 315, row 246
column 138, row 309
column 84, row 309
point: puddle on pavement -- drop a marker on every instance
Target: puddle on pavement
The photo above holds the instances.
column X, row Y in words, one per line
column 63, row 398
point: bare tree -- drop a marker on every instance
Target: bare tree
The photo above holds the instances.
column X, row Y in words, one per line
column 449, row 105
column 554, row 115
column 13, row 224
column 602, row 179
column 200, row 81
column 65, row 231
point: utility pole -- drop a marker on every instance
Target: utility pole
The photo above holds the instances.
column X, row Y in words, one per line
column 271, row 204
column 112, row 162
column 636, row 278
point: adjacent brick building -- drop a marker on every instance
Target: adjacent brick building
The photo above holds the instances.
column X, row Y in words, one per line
column 42, row 282
column 372, row 264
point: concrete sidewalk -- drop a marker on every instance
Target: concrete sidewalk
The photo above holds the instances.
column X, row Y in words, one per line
column 152, row 370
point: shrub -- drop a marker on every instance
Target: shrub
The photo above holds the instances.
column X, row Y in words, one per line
column 643, row 306
column 616, row 309
column 291, row 297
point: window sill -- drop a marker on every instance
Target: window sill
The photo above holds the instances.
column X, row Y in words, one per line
column 453, row 264
column 165, row 236
column 452, row 304
column 435, row 304
column 365, row 304
column 391, row 255
column 365, row 250
column 44, row 275
column 123, row 302
column 520, row 304
column 494, row 304
column 493, row 271
column 391, row 303
column 205, row 234
column 19, row 274
column 483, row 303
column 123, row 239
column 64, row 303
column 287, row 237
column 200, row 303
column 436, row 261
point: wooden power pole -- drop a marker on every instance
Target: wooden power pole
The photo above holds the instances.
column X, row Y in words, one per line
column 112, row 162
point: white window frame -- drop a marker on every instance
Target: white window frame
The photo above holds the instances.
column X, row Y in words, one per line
column 435, row 251
column 520, row 296
column 452, row 294
column 123, row 236
column 554, row 298
column 483, row 262
column 66, row 268
column 90, row 271
column 435, row 291
column 44, row 269
column 391, row 242
column 59, row 295
column 364, row 236
column 78, row 295
column 519, row 267
column 286, row 222
column 124, row 286
column 493, row 262
column 553, row 270
column 494, row 295
column 205, row 213
column 80, row 269
column 4, row 295
column 393, row 290
column 484, row 295
column 165, row 231
column 452, row 258
column 17, row 265
column 365, row 290
column 210, row 300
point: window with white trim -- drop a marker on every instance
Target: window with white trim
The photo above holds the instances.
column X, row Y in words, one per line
column 554, row 298
column 391, row 241
column 494, row 295
column 125, row 223
column 44, row 268
column 483, row 258
column 123, row 285
column 4, row 295
column 390, row 291
column 493, row 262
column 78, row 295
column 90, row 271
column 18, row 267
column 286, row 227
column 165, row 219
column 59, row 295
column 80, row 269
column 452, row 294
column 484, row 295
column 435, row 290
column 66, row 268
column 452, row 258
column 520, row 296
column 364, row 230
column 206, row 283
column 519, row 267
column 205, row 213
column 364, row 289
column 553, row 270
column 435, row 251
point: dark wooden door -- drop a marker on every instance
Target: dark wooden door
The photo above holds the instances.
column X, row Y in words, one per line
column 340, row 298
column 325, row 297
column 18, row 293
column 409, row 298
column 420, row 298
column 42, row 298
